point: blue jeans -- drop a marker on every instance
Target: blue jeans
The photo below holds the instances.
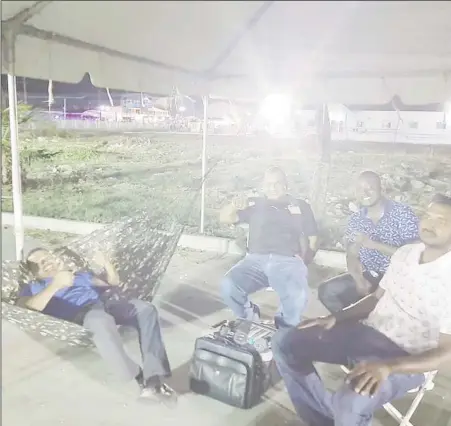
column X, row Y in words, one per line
column 286, row 275
column 295, row 351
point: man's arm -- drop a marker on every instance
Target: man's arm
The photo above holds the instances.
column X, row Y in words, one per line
column 355, row 268
column 365, row 306
column 408, row 229
column 304, row 244
column 381, row 247
column 430, row 360
column 38, row 302
column 365, row 241
column 229, row 215
column 313, row 242
column 236, row 212
column 367, row 378
column 308, row 240
column 111, row 274
column 309, row 225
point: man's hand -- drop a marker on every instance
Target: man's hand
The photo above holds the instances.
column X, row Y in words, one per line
column 240, row 202
column 229, row 213
column 353, row 250
column 364, row 240
column 324, row 322
column 367, row 378
column 100, row 259
column 363, row 286
column 63, row 279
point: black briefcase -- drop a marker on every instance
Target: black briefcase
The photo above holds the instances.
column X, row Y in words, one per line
column 230, row 372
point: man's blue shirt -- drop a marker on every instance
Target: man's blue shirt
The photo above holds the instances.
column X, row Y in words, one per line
column 67, row 302
column 398, row 226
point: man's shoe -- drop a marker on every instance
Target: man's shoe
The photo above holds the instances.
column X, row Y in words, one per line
column 161, row 393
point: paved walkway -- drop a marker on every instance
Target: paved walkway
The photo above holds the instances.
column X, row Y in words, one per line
column 45, row 383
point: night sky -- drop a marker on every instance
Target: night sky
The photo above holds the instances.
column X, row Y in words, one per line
column 39, row 87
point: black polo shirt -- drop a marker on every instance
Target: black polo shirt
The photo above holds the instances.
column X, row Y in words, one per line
column 276, row 226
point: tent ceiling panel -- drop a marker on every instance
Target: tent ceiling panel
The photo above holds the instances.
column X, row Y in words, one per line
column 188, row 35
column 12, row 8
column 106, row 71
column 349, row 52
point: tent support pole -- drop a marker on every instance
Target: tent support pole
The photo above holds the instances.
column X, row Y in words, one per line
column 15, row 167
column 204, row 164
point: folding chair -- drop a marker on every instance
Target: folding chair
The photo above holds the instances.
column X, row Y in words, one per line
column 404, row 419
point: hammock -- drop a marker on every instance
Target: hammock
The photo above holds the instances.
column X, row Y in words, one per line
column 140, row 251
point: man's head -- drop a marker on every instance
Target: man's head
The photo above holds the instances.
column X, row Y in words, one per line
column 42, row 263
column 435, row 225
column 369, row 189
column 275, row 183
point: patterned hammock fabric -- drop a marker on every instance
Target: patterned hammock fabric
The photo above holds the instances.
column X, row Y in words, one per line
column 140, row 251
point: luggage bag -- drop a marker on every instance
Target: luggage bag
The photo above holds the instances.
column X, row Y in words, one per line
column 233, row 364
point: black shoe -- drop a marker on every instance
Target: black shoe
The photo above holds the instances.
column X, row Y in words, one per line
column 161, row 393
column 140, row 379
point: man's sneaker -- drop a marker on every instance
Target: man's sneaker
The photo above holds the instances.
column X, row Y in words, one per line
column 159, row 394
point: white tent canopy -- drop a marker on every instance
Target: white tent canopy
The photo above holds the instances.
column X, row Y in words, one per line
column 359, row 52
column 343, row 52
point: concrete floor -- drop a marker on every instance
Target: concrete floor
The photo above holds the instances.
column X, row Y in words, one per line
column 45, row 383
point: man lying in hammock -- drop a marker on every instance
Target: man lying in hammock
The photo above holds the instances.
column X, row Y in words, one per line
column 77, row 297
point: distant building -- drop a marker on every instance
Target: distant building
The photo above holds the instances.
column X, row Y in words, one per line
column 421, row 127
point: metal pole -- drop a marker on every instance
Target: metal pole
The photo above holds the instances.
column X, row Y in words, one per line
column 25, row 95
column 15, row 166
column 50, row 96
column 204, row 165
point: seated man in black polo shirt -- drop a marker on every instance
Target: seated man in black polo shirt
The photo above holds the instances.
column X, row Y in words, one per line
column 282, row 231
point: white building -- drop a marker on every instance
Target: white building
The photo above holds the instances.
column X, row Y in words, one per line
column 421, row 127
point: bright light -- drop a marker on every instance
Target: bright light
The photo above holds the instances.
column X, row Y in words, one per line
column 103, row 107
column 276, row 107
column 182, row 109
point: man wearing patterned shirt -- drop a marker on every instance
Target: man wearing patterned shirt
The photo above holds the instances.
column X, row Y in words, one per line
column 389, row 339
column 372, row 236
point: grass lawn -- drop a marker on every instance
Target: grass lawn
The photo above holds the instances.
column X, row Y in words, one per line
column 103, row 177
